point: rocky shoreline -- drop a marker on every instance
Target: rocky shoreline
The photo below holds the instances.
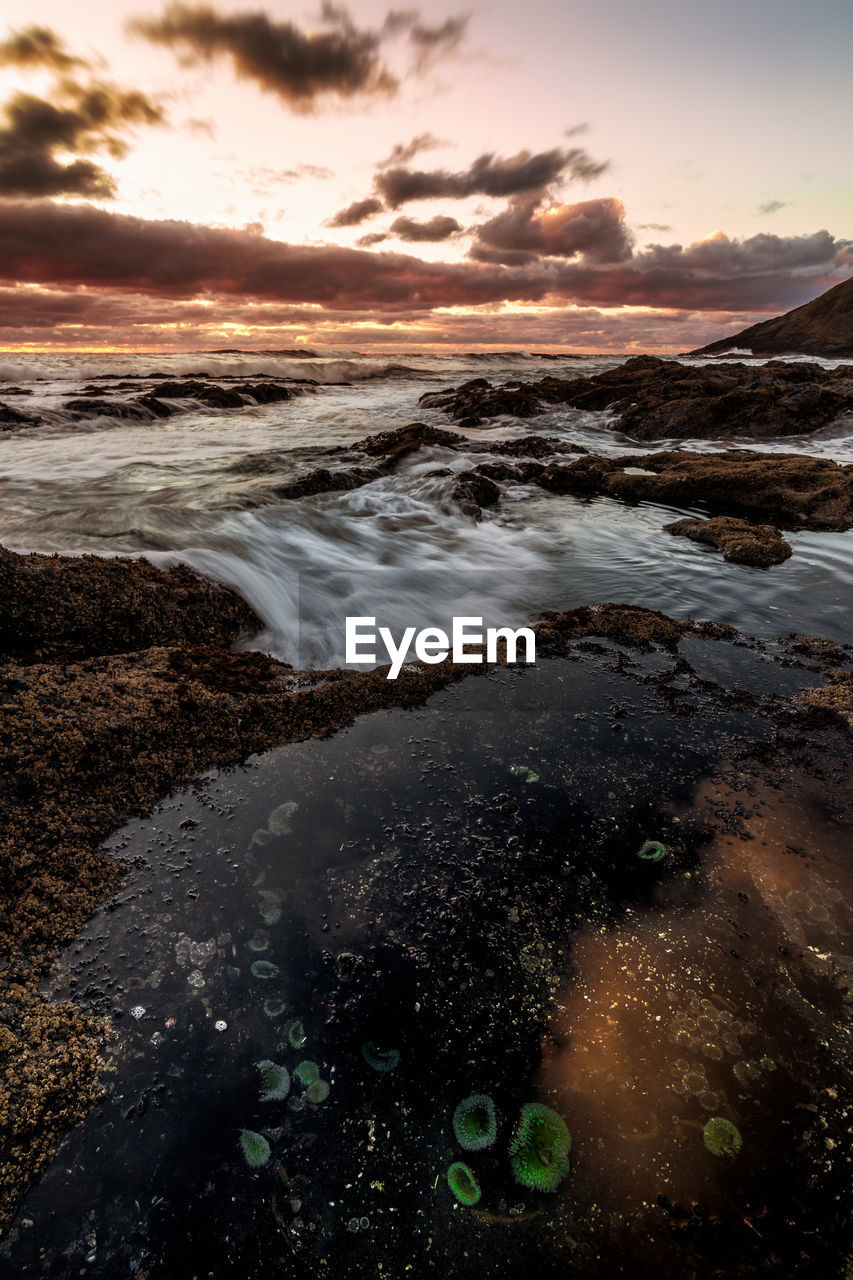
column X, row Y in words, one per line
column 658, row 399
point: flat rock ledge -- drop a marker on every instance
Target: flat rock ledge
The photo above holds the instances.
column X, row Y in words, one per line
column 741, row 542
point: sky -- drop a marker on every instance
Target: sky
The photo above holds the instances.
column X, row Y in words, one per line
column 545, row 176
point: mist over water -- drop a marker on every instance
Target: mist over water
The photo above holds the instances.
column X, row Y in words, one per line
column 199, row 488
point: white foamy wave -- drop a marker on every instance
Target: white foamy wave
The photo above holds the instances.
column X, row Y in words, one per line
column 402, row 553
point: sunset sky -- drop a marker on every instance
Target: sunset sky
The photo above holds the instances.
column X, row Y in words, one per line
column 539, row 175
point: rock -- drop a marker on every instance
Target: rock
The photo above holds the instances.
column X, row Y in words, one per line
column 155, row 406
column 823, row 327
column 740, row 541
column 659, row 399
column 70, row 606
column 793, row 490
column 91, row 408
column 206, row 392
column 264, row 392
column 473, row 491
column 11, row 418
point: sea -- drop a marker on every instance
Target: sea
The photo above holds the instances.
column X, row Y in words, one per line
column 199, row 488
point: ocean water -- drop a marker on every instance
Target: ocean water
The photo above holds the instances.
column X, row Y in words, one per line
column 199, row 488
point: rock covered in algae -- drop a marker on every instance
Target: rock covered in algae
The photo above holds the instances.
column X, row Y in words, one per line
column 463, row 1184
column 539, row 1149
column 722, row 1138
column 379, row 1059
column 475, row 1122
column 275, row 1081
column 255, row 1148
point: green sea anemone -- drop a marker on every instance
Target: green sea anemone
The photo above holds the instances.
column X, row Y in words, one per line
column 317, row 1091
column 540, row 1146
column 274, row 1008
column 263, row 969
column 296, row 1036
column 463, row 1184
column 269, row 905
column 307, row 1072
column 379, row 1059
column 275, row 1081
column 255, row 1148
column 652, row 851
column 722, row 1138
column 475, row 1123
column 260, row 837
column 279, row 820
column 523, row 771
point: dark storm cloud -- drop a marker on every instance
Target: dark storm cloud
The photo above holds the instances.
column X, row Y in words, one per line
column 356, row 213
column 438, row 228
column 78, row 245
column 402, row 153
column 371, row 239
column 83, row 118
column 488, row 176
column 301, row 67
column 37, row 47
column 594, row 228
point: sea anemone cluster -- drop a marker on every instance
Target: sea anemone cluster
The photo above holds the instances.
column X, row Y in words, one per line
column 652, row 851
column 539, row 1148
column 475, row 1122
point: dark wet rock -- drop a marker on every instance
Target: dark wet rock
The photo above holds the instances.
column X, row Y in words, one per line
column 155, row 406
column 740, row 541
column 322, row 480
column 477, row 401
column 795, row 491
column 836, row 697
column 264, row 392
column 663, row 399
column 85, row 407
column 17, row 391
column 205, row 392
column 473, row 491
column 398, row 444
column 10, row 418
column 823, row 327
column 533, row 447
column 68, row 607
column 628, row 624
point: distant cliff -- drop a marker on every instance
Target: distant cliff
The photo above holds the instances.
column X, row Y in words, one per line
column 823, row 327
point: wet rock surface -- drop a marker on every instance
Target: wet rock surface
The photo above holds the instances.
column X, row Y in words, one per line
column 460, row 895
column 661, row 399
column 740, row 541
column 10, row 418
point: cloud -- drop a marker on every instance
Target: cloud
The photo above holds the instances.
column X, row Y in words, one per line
column 37, row 47
column 594, row 229
column 772, row 206
column 662, row 227
column 402, row 153
column 438, row 228
column 429, row 43
column 488, row 175
column 300, row 67
column 82, row 119
column 371, row 239
column 356, row 213
column 69, row 246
